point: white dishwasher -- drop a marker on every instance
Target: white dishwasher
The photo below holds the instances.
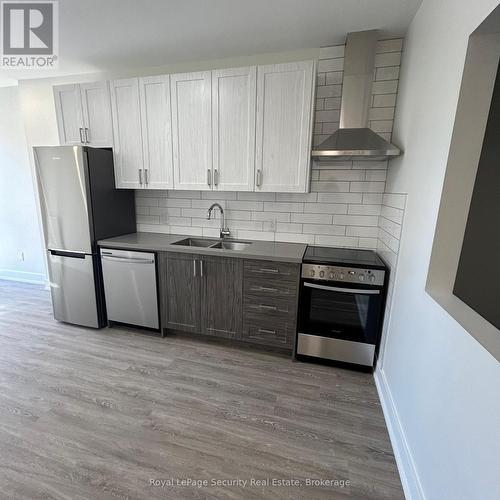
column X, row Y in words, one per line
column 130, row 287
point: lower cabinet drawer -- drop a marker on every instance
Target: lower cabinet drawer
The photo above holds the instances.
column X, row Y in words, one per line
column 269, row 333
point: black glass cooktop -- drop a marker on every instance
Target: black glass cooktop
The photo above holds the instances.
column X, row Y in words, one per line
column 343, row 256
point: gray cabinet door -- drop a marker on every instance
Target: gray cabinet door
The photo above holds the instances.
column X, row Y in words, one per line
column 180, row 291
column 222, row 296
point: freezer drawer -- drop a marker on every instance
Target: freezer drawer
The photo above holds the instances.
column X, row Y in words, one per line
column 130, row 287
column 73, row 288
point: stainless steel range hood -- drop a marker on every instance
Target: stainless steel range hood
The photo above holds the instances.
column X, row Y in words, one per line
column 354, row 139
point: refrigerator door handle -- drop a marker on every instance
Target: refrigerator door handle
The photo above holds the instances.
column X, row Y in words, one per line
column 67, row 253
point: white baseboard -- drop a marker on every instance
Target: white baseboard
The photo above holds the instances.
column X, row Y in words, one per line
column 23, row 277
column 406, row 466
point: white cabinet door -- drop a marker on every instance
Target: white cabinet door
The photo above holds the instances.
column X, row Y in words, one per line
column 156, row 132
column 233, row 128
column 69, row 115
column 192, row 130
column 96, row 114
column 285, row 95
column 127, row 138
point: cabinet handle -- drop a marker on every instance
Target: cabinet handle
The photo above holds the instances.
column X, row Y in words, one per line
column 194, row 268
column 270, row 308
column 259, row 177
column 209, row 177
column 216, row 177
column 140, row 176
column 263, row 289
column 146, row 176
column 267, row 270
column 263, row 330
column 81, row 135
column 201, row 268
column 87, row 140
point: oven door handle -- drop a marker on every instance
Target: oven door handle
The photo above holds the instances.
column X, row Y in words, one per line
column 345, row 290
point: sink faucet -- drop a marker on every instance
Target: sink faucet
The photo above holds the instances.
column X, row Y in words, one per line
column 224, row 231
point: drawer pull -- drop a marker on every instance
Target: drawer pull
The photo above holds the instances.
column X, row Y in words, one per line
column 270, row 308
column 263, row 289
column 263, row 330
column 267, row 270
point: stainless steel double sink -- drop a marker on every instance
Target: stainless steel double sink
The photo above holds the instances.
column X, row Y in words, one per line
column 208, row 243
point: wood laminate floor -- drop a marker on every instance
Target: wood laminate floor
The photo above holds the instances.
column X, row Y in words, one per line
column 99, row 414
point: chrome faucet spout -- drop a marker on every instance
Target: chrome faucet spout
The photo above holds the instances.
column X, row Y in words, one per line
column 224, row 231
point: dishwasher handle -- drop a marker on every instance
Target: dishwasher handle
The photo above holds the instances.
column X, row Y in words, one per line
column 127, row 259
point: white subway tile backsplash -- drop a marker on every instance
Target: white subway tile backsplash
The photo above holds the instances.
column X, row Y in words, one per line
column 174, row 202
column 247, row 196
column 256, row 206
column 272, row 206
column 295, row 238
column 365, row 232
column 271, row 216
column 329, row 187
column 218, row 195
column 340, row 241
column 326, row 65
column 312, row 218
column 285, row 227
column 391, row 45
column 297, row 197
column 364, row 210
column 342, row 175
column 326, row 208
column 324, row 229
column 346, row 205
column 367, row 187
column 388, row 59
column 356, row 220
column 387, row 73
column 332, row 52
column 184, row 194
column 372, row 198
column 385, row 87
column 384, row 101
column 142, row 201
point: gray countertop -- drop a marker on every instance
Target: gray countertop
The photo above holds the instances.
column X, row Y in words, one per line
column 159, row 242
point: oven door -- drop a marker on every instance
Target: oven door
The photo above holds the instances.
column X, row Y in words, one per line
column 339, row 322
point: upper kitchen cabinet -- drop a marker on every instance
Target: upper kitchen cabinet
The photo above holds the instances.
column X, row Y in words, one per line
column 83, row 114
column 285, row 94
column 127, row 133
column 233, row 128
column 156, row 132
column 192, row 130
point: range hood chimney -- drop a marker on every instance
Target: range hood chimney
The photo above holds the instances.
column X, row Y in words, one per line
column 354, row 140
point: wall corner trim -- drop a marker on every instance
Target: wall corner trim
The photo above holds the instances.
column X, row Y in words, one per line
column 410, row 480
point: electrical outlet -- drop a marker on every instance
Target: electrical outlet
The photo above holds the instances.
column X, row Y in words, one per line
column 270, row 225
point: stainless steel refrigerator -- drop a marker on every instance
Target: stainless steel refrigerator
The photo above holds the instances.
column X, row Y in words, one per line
column 79, row 206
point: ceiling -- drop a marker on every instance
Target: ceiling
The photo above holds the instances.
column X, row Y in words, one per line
column 111, row 35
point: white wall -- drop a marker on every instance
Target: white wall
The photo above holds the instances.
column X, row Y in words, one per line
column 19, row 227
column 440, row 387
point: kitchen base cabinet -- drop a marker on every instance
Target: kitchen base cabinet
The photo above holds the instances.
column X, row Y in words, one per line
column 222, row 296
column 179, row 291
column 227, row 297
column 270, row 302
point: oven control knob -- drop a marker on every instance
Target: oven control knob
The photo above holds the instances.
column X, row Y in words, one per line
column 372, row 278
column 331, row 276
column 361, row 277
column 322, row 274
column 341, row 276
column 313, row 272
